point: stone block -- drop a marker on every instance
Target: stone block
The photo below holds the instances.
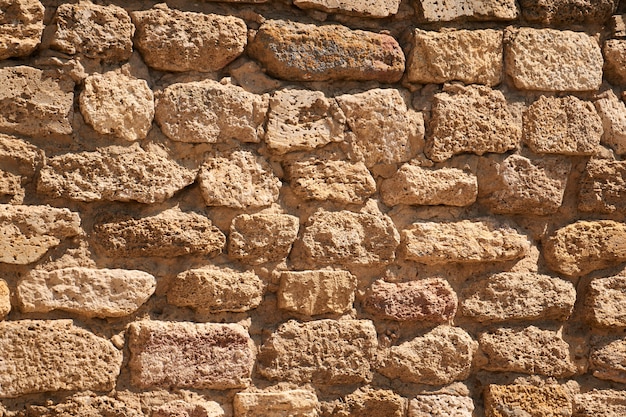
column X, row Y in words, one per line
column 441, row 405
column 452, row 10
column 5, row 299
column 568, row 12
column 612, row 111
column 360, row 8
column 369, row 402
column 605, row 303
column 19, row 156
column 607, row 360
column 21, row 27
column 600, row 403
column 84, row 404
column 181, row 408
column 527, row 400
column 614, row 52
column 603, row 187
column 290, row 403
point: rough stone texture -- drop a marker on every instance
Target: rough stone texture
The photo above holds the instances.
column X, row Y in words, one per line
column 316, row 292
column 34, row 102
column 28, row 232
column 527, row 400
column 536, row 351
column 114, row 173
column 52, row 355
column 584, row 246
column 600, row 403
column 608, row 361
column 603, row 187
column 180, row 408
column 21, row 26
column 217, row 289
column 19, row 161
column 324, row 352
column 118, row 105
column 518, row 185
column 518, row 296
column 614, row 52
column 450, row 10
column 430, row 300
column 190, row 355
column 302, row 52
column 605, row 304
column 239, row 179
column 171, row 40
column 99, row 32
column 562, row 125
column 168, row 234
column 384, row 130
column 209, row 112
column 566, row 12
column 364, row 8
column 441, row 406
column 470, row 56
column 470, row 119
column 86, row 404
column 5, row 299
column 553, row 60
column 85, row 291
column 368, row 402
column 466, row 241
column 415, row 185
column 612, row 111
column 291, row 403
column 440, row 357
column 302, row 120
column 11, row 188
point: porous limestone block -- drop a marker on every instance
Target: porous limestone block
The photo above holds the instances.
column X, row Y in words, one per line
column 612, row 111
column 367, row 401
column 21, row 27
column 289, row 403
column 607, row 360
column 568, row 12
column 603, row 187
column 363, row 8
column 614, row 52
column 605, row 303
column 5, row 299
column 451, row 10
column 527, row 400
column 19, row 156
column 181, row 408
column 600, row 403
column 85, row 404
column 442, row 405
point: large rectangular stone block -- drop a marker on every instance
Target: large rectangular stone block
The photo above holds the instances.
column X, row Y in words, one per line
column 290, row 403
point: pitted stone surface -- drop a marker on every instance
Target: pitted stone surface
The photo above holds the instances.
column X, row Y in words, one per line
column 19, row 157
column 614, row 52
column 612, row 111
column 441, row 406
column 290, row 403
column 181, row 408
column 85, row 404
column 5, row 299
column 608, row 361
column 603, row 187
column 451, row 10
column 364, row 8
column 527, row 400
column 605, row 304
column 567, row 12
column 21, row 27
column 600, row 403
column 368, row 402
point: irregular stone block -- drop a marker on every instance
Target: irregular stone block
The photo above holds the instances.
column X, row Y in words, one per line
column 217, row 289
column 470, row 119
column 614, row 52
column 19, row 157
column 291, row 403
column 585, row 246
column 605, row 304
column 612, row 111
column 21, row 27
column 190, row 355
column 442, row 405
column 54, row 355
column 85, row 291
column 114, row 173
column 470, row 56
column 603, row 186
column 316, row 292
column 518, row 296
column 465, row 241
column 34, row 102
column 568, row 12
column 28, row 232
column 181, row 408
column 527, row 400
column 327, row 352
column 5, row 299
column 171, row 40
column 11, row 187
column 528, row 350
column 302, row 120
column 600, row 403
column 431, row 300
column 369, row 402
column 440, row 357
column 361, row 8
column 450, row 10
column 552, row 60
column 209, row 112
column 415, row 185
column 85, row 404
column 608, row 361
column 562, row 125
column 384, row 129
column 302, row 52
column 239, row 179
column 118, row 105
column 98, row 32
column 169, row 234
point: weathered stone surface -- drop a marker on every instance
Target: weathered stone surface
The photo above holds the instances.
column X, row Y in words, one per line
column 209, row 112
column 324, row 352
column 291, row 403
column 19, row 156
column 431, row 300
column 608, row 361
column 180, row 408
column 85, row 291
column 217, row 289
column 567, row 12
column 11, row 188
column 5, row 299
column 364, row 8
column 617, row 26
column 442, row 405
column 585, row 246
column 168, row 234
column 605, row 304
column 562, row 125
column 34, row 102
column 118, row 105
column 552, row 60
column 171, row 40
column 527, row 400
column 450, row 10
column 600, row 403
column 536, row 351
column 440, row 357
column 53, row 355
column 614, row 52
column 384, row 129
column 21, row 26
column 316, row 292
column 368, row 402
column 302, row 120
column 466, row 241
column 603, row 187
column 518, row 296
column 114, row 173
column 302, row 52
column 470, row 119
column 470, row 56
column 415, row 185
column 86, row 404
column 239, row 179
column 99, row 32
column 190, row 355
column 322, row 179
column 28, row 232
column 612, row 111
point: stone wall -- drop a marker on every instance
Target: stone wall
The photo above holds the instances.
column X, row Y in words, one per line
column 313, row 208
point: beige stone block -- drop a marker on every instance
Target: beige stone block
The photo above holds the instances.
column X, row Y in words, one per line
column 568, row 12
column 451, row 10
column 442, row 405
column 607, row 360
column 603, row 187
column 21, row 27
column 19, row 156
column 527, row 400
column 363, row 8
column 367, row 401
column 614, row 52
column 600, row 403
column 84, row 404
column 605, row 303
column 5, row 299
column 181, row 408
column 290, row 403
column 11, row 188
column 612, row 111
